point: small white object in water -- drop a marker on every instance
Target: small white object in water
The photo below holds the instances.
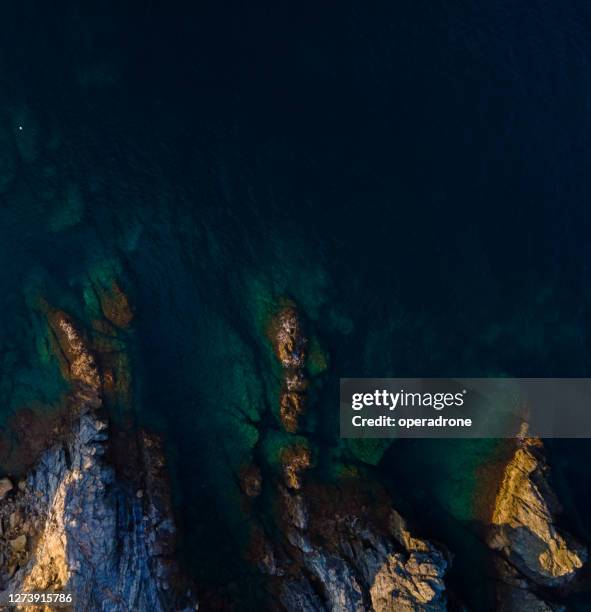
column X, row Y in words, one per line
column 20, row 127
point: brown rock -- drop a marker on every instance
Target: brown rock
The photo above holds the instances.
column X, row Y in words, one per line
column 289, row 344
column 19, row 544
column 251, row 481
column 291, row 405
column 288, row 339
column 80, row 361
column 115, row 306
column 5, row 487
column 295, row 459
column 15, row 520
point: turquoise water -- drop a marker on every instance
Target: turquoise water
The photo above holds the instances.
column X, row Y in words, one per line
column 410, row 181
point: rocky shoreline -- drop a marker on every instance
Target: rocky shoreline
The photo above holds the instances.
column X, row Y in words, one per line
column 82, row 523
column 71, row 525
column 342, row 546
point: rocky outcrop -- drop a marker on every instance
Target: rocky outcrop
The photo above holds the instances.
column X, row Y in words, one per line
column 289, row 340
column 346, row 548
column 295, row 459
column 78, row 360
column 340, row 547
column 115, row 305
column 353, row 562
column 73, row 526
column 534, row 553
column 289, row 344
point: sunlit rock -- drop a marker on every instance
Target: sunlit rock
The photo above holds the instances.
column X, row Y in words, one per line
column 523, row 526
column 289, row 344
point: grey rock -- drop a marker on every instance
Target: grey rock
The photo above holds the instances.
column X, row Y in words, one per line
column 363, row 568
column 93, row 538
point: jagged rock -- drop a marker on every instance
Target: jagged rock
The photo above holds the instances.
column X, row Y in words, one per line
column 350, row 561
column 299, row 595
column 290, row 348
column 522, row 524
column 291, row 405
column 5, row 487
column 91, row 535
column 514, row 592
column 295, row 460
column 80, row 361
column 535, row 555
column 372, row 573
column 295, row 509
column 95, row 539
column 289, row 342
column 358, row 565
column 261, row 552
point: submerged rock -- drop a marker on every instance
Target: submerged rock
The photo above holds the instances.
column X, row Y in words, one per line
column 115, row 306
column 295, row 459
column 290, row 407
column 290, row 343
column 251, row 480
column 80, row 362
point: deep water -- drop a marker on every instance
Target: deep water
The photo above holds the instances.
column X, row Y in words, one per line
column 414, row 175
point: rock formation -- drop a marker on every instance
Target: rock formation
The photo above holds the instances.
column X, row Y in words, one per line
column 290, row 348
column 76, row 524
column 341, row 546
column 534, row 553
column 71, row 525
column 350, row 558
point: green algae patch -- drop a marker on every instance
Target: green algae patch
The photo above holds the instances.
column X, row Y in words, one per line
column 448, row 472
column 317, row 358
column 368, row 451
column 261, row 303
column 339, row 322
column 91, row 300
column 275, row 443
column 460, row 478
